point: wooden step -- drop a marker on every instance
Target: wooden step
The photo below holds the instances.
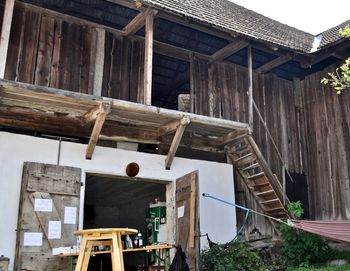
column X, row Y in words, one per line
column 258, row 185
column 264, row 193
column 270, row 201
column 257, row 175
column 243, row 157
column 255, row 165
column 274, row 209
column 240, row 149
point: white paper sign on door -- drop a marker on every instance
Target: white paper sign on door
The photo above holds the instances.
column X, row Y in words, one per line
column 180, row 211
column 70, row 215
column 54, row 231
column 34, row 239
column 43, row 205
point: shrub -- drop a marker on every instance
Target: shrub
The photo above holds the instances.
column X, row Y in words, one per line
column 236, row 256
column 299, row 248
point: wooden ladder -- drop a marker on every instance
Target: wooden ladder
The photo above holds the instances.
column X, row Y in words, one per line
column 256, row 174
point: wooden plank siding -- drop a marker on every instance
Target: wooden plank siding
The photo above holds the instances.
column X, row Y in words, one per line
column 327, row 137
column 123, row 68
column 220, row 90
column 48, row 51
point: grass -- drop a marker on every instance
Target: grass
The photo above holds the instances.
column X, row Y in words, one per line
column 345, row 267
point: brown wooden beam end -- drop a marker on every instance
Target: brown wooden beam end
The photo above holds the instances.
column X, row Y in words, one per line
column 138, row 22
column 176, row 141
column 100, row 119
column 229, row 50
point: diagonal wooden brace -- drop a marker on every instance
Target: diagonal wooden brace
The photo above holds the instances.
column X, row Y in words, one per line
column 176, row 141
column 101, row 114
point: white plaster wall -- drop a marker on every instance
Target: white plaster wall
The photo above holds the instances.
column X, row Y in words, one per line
column 215, row 178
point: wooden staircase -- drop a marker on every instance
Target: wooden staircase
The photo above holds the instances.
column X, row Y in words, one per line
column 256, row 174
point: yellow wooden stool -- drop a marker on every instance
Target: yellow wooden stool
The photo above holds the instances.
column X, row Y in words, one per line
column 102, row 237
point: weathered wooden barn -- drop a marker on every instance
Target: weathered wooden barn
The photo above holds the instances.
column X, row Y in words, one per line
column 197, row 91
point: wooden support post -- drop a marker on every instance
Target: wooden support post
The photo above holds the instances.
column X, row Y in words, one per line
column 147, row 95
column 5, row 34
column 176, row 141
column 284, row 185
column 250, row 88
column 138, row 22
column 100, row 119
column 192, row 85
column 99, row 62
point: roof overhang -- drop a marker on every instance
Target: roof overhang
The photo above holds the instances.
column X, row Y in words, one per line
column 67, row 113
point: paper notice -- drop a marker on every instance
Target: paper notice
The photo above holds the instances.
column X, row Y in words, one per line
column 34, row 239
column 54, row 230
column 180, row 211
column 43, row 205
column 70, row 215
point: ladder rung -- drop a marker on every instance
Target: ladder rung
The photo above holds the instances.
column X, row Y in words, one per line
column 274, row 209
column 243, row 157
column 265, row 193
column 270, row 201
column 262, row 184
column 241, row 149
column 251, row 166
column 260, row 174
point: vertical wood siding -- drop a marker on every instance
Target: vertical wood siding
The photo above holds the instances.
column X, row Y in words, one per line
column 47, row 51
column 123, row 68
column 327, row 137
column 220, row 90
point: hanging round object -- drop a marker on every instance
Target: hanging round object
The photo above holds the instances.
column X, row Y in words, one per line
column 132, row 169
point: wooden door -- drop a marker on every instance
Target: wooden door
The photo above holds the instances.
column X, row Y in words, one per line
column 187, row 218
column 49, row 201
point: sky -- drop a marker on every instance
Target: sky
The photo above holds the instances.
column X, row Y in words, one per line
column 313, row 16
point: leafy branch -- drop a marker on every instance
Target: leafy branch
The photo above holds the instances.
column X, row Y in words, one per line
column 340, row 79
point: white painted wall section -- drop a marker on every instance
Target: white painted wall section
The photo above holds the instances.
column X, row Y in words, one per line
column 216, row 219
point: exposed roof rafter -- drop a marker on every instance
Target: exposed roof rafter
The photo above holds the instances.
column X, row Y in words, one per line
column 229, row 50
column 274, row 63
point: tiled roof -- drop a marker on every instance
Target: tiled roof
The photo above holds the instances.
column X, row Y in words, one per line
column 332, row 35
column 232, row 17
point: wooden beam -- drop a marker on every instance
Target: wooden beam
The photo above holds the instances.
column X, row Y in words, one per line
column 228, row 50
column 337, row 52
column 176, row 141
column 5, row 34
column 147, row 93
column 68, row 18
column 274, row 63
column 250, row 88
column 100, row 119
column 138, row 22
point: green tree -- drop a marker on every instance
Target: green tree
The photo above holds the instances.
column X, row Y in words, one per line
column 340, row 79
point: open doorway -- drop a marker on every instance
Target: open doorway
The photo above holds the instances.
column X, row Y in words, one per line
column 122, row 202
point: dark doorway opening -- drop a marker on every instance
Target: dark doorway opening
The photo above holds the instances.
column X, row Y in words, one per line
column 119, row 202
column 297, row 189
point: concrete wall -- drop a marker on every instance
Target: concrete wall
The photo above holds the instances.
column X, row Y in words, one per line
column 217, row 220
